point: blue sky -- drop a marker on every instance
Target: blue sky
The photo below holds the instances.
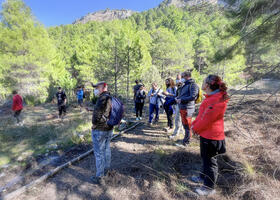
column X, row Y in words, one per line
column 57, row 12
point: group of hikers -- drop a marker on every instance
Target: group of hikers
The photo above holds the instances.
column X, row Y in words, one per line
column 179, row 101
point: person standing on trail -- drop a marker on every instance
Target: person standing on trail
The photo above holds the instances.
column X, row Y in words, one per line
column 17, row 107
column 61, row 102
column 135, row 89
column 139, row 102
column 178, row 79
column 80, row 97
column 170, row 94
column 155, row 94
column 209, row 124
column 107, row 113
column 186, row 100
column 178, row 122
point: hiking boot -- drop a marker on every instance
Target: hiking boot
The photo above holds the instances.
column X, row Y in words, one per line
column 137, row 119
column 197, row 179
column 203, row 191
column 97, row 180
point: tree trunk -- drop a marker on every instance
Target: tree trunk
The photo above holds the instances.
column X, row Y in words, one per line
column 128, row 74
column 116, row 70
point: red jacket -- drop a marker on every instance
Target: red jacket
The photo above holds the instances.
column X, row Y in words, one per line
column 17, row 103
column 209, row 123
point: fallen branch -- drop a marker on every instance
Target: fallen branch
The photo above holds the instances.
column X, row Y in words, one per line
column 23, row 189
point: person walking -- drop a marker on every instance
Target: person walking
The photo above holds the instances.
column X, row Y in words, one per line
column 154, row 98
column 139, row 102
column 209, row 125
column 61, row 102
column 17, row 107
column 186, row 100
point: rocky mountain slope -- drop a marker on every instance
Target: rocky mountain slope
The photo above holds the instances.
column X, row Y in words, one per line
column 105, row 15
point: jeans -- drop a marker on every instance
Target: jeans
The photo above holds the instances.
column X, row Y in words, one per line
column 186, row 121
column 102, row 151
column 153, row 108
column 178, row 121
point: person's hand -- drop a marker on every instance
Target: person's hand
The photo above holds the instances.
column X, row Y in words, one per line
column 152, row 95
column 93, row 126
column 178, row 101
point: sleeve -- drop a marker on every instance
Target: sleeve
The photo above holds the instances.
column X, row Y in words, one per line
column 210, row 114
column 150, row 92
column 193, row 94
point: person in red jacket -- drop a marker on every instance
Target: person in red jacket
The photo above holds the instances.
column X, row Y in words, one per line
column 17, row 106
column 209, row 124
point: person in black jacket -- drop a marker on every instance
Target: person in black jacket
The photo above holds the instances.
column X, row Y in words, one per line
column 186, row 102
column 61, row 102
column 140, row 97
column 101, row 131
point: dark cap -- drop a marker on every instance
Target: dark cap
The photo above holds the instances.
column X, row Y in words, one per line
column 99, row 83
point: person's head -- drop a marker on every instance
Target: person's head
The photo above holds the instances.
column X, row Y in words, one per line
column 178, row 77
column 212, row 83
column 14, row 92
column 154, row 86
column 169, row 83
column 136, row 81
column 186, row 76
column 100, row 88
column 59, row 89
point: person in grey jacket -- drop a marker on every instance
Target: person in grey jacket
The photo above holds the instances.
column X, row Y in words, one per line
column 186, row 101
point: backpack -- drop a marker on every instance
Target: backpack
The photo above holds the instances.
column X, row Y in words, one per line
column 116, row 113
column 199, row 97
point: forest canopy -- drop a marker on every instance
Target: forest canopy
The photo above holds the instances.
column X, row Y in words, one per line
column 151, row 45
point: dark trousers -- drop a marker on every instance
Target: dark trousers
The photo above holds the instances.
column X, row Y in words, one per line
column 209, row 149
column 17, row 114
column 169, row 114
column 139, row 109
column 61, row 109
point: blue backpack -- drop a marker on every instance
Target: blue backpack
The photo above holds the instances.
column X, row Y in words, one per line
column 116, row 113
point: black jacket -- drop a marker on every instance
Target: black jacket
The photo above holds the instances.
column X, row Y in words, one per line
column 101, row 112
column 188, row 93
column 140, row 97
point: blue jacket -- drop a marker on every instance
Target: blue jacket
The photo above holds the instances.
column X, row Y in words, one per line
column 80, row 94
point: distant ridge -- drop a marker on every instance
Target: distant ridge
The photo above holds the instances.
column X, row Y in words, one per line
column 105, row 15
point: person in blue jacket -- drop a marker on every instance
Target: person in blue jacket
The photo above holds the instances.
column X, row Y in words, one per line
column 80, row 97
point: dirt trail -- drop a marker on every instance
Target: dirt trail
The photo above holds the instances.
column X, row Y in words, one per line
column 136, row 170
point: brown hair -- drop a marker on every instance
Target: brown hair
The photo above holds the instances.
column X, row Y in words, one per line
column 215, row 83
column 171, row 82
